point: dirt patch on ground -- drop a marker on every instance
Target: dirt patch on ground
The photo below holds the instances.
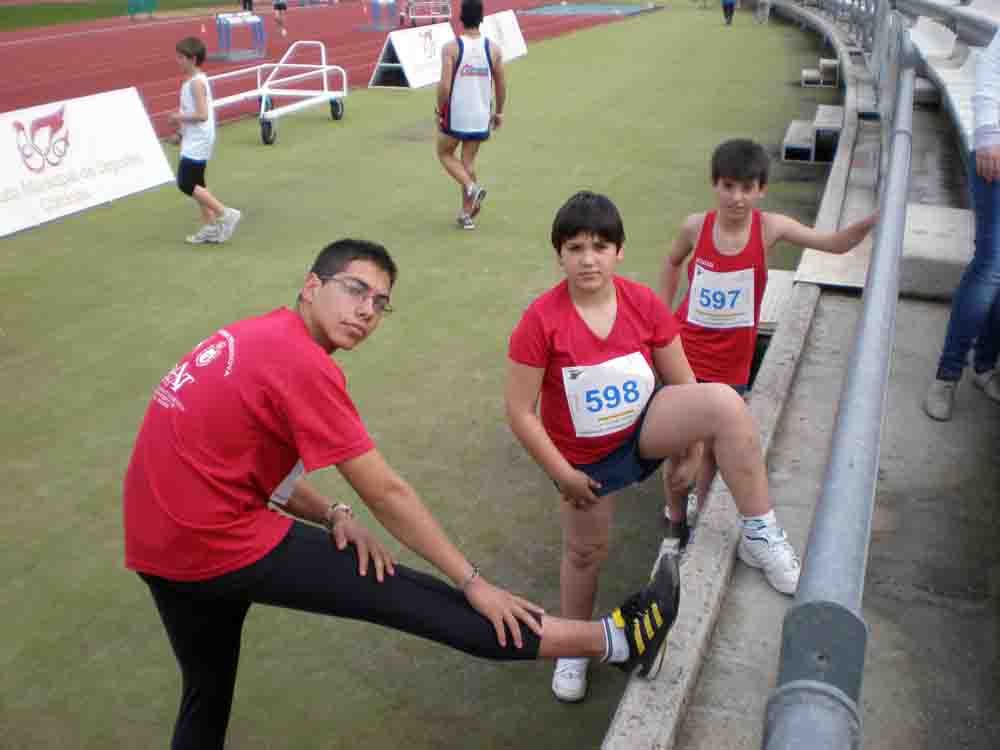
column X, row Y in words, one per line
column 420, row 131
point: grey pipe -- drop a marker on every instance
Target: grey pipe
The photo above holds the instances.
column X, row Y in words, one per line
column 823, row 635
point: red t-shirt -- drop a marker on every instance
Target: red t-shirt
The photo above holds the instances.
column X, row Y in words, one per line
column 720, row 348
column 552, row 336
column 225, row 426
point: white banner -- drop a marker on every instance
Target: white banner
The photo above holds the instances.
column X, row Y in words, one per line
column 504, row 29
column 60, row 158
column 418, row 51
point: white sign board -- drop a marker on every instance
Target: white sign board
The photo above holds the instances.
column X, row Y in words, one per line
column 416, row 52
column 504, row 29
column 411, row 58
column 60, row 158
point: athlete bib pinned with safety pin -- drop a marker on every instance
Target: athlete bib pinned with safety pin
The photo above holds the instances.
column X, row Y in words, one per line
column 608, row 397
column 721, row 299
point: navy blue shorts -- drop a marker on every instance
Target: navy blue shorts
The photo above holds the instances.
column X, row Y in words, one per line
column 623, row 466
column 466, row 136
column 190, row 174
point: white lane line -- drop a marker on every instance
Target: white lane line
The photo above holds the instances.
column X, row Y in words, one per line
column 103, row 30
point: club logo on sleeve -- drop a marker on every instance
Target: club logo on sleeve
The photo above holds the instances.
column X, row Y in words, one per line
column 209, row 354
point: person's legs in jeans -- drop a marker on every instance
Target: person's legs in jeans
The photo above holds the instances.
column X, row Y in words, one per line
column 978, row 290
column 987, row 347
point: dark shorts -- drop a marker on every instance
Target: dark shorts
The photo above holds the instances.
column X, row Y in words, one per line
column 740, row 389
column 190, row 174
column 466, row 136
column 281, row 6
column 623, row 466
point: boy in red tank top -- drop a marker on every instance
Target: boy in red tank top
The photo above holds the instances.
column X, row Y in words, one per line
column 727, row 275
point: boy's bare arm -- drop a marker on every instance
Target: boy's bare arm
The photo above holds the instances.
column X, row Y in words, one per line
column 681, row 248
column 779, row 227
column 448, row 54
column 672, row 365
column 499, row 84
column 524, row 384
column 200, row 113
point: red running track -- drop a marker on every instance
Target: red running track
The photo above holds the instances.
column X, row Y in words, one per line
column 66, row 61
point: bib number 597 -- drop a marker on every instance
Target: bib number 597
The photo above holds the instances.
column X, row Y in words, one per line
column 716, row 298
column 611, row 396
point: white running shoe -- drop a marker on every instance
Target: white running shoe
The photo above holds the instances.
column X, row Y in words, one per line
column 569, row 680
column 227, row 224
column 208, row 234
column 770, row 550
column 989, row 382
column 940, row 399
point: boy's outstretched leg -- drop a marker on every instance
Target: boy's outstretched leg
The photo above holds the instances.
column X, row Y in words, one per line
column 645, row 619
column 633, row 635
column 716, row 414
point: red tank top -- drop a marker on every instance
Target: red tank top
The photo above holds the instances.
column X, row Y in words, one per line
column 720, row 333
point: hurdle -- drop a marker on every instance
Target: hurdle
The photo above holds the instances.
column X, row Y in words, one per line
column 425, row 10
column 225, row 23
column 271, row 79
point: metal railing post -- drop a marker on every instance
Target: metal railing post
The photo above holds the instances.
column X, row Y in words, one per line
column 816, row 702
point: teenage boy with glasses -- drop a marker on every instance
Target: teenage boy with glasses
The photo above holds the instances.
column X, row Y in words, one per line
column 233, row 427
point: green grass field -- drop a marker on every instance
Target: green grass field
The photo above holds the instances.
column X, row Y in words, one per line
column 45, row 14
column 98, row 307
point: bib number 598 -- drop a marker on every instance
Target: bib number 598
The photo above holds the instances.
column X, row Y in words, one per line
column 611, row 396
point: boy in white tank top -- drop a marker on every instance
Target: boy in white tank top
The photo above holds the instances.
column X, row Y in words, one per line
column 195, row 121
column 471, row 70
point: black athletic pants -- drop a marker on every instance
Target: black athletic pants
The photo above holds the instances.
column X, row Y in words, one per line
column 204, row 619
column 727, row 11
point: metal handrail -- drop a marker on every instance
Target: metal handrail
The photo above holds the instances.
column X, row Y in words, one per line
column 816, row 702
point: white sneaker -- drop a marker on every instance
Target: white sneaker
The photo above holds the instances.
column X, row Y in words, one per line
column 989, row 382
column 208, row 234
column 227, row 224
column 770, row 550
column 569, row 680
column 940, row 399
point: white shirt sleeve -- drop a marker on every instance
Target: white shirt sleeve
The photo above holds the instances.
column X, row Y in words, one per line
column 986, row 99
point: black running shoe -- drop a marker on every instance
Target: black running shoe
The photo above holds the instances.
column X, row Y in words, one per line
column 646, row 618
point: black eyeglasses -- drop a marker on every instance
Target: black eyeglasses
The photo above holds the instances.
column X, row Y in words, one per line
column 361, row 292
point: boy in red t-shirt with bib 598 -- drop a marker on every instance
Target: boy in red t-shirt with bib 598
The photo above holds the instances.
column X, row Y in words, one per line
column 727, row 275
column 584, row 395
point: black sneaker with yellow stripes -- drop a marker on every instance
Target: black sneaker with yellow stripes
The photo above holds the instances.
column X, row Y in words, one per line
column 646, row 618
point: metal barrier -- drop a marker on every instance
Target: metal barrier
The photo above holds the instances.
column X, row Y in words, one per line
column 270, row 82
column 815, row 704
column 972, row 26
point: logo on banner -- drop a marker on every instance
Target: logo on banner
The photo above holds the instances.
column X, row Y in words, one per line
column 44, row 142
column 497, row 31
column 430, row 48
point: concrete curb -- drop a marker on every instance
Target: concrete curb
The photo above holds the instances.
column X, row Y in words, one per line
column 651, row 711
